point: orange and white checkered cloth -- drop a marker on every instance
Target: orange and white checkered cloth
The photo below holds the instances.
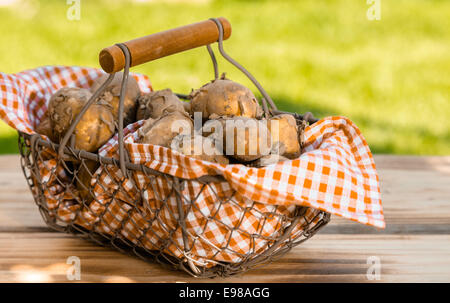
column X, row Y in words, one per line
column 335, row 173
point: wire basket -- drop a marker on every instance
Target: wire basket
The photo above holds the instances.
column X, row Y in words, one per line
column 162, row 230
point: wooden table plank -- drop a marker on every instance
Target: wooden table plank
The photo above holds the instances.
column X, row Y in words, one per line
column 425, row 185
column 414, row 247
column 326, row 258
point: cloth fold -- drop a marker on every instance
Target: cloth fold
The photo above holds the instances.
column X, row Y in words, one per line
column 335, row 173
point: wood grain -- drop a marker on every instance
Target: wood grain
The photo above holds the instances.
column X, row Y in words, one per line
column 415, row 246
column 163, row 44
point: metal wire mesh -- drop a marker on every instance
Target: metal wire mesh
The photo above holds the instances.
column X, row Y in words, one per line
column 151, row 229
column 200, row 226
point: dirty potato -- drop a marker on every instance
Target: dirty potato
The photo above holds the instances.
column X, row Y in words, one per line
column 95, row 127
column 163, row 130
column 284, row 132
column 223, row 97
column 155, row 104
column 112, row 93
column 244, row 139
column 199, row 147
column 45, row 127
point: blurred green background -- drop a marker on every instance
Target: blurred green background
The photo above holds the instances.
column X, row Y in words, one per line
column 390, row 76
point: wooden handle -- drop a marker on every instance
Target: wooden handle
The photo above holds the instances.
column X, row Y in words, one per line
column 163, row 44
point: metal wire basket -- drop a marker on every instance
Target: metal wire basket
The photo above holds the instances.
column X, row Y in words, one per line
column 293, row 225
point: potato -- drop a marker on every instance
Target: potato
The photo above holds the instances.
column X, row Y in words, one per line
column 45, row 128
column 112, row 94
column 84, row 175
column 224, row 97
column 96, row 125
column 65, row 105
column 95, row 128
column 284, row 132
column 244, row 139
column 163, row 130
column 155, row 104
column 199, row 147
column 187, row 106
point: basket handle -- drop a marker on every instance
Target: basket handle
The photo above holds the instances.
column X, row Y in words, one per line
column 124, row 55
column 158, row 45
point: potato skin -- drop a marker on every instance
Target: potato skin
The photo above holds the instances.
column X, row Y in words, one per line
column 244, row 139
column 188, row 145
column 112, row 93
column 284, row 132
column 163, row 130
column 45, row 127
column 95, row 127
column 224, row 97
column 65, row 105
column 155, row 104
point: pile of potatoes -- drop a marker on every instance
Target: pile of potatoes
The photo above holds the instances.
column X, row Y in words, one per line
column 99, row 123
column 229, row 128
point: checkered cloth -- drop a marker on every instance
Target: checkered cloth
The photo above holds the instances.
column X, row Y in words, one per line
column 335, row 173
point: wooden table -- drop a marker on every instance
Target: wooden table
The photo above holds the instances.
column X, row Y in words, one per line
column 414, row 247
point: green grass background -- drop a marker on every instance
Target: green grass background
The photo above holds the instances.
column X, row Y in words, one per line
column 391, row 77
